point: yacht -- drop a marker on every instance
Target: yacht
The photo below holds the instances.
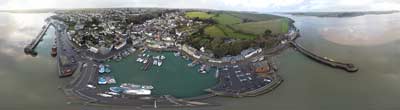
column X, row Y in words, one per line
column 102, row 80
column 155, row 62
column 116, row 89
column 138, row 92
column 162, row 57
column 159, row 63
column 104, row 95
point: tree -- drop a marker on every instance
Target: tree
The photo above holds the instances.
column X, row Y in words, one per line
column 267, row 32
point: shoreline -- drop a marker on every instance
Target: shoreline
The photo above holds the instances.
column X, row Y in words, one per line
column 86, row 74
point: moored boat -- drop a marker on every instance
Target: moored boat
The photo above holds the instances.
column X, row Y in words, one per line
column 117, row 89
column 138, row 92
column 104, row 95
column 102, row 80
column 159, row 63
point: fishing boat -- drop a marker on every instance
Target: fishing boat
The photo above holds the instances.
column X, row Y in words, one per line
column 102, row 80
column 117, row 89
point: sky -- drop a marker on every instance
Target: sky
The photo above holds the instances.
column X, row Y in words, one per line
column 235, row 5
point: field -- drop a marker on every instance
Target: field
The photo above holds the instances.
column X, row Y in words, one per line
column 277, row 26
column 243, row 29
column 201, row 15
column 226, row 19
column 254, row 17
column 214, row 31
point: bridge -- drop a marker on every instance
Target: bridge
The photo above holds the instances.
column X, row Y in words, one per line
column 324, row 60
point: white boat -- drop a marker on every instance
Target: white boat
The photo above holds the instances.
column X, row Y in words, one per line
column 130, row 86
column 91, row 86
column 138, row 59
column 112, row 93
column 177, row 54
column 145, row 61
column 144, row 55
column 138, row 92
column 155, row 62
column 147, row 87
column 162, row 57
column 159, row 63
column 104, row 95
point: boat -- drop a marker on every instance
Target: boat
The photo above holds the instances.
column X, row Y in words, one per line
column 190, row 65
column 117, row 89
column 107, row 70
column 54, row 51
column 217, row 73
column 144, row 55
column 149, row 87
column 157, row 57
column 112, row 93
column 162, row 57
column 111, row 80
column 102, row 80
column 177, row 54
column 138, row 92
column 155, row 62
column 91, row 86
column 159, row 63
column 130, row 86
column 145, row 61
column 140, row 60
column 104, row 95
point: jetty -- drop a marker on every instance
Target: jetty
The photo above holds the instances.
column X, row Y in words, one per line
column 148, row 64
column 324, row 60
column 29, row 49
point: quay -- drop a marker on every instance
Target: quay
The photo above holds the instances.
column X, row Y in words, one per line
column 29, row 49
column 324, row 60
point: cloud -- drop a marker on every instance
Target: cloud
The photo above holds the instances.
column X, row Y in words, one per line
column 238, row 5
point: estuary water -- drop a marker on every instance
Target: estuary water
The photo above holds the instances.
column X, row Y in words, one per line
column 371, row 42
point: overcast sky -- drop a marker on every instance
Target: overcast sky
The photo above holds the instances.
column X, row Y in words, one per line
column 238, row 5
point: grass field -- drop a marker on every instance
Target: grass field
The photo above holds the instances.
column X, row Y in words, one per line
column 201, row 15
column 229, row 24
column 214, row 31
column 253, row 16
column 277, row 26
column 227, row 19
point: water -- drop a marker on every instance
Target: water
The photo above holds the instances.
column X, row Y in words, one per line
column 174, row 77
column 33, row 82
